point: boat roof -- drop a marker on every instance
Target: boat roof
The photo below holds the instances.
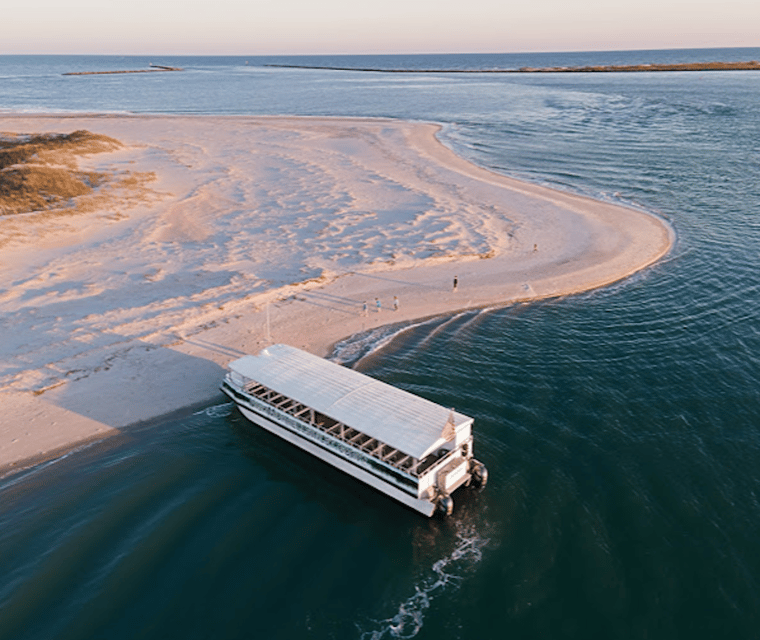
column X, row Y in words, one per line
column 396, row 417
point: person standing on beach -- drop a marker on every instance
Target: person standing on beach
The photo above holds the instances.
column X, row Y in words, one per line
column 456, row 282
column 395, row 303
column 364, row 308
column 377, row 304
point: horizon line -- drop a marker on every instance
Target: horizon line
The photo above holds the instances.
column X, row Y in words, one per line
column 397, row 53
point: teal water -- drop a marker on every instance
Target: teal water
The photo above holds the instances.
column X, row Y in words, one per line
column 620, row 427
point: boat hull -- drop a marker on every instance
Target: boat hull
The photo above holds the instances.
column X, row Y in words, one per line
column 426, row 507
column 423, row 506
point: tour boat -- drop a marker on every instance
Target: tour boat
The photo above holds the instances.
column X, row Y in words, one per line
column 411, row 449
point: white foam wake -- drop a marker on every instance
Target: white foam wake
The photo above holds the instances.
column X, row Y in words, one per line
column 217, row 411
column 358, row 346
column 446, row 574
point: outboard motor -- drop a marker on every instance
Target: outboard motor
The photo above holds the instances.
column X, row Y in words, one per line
column 479, row 473
column 445, row 505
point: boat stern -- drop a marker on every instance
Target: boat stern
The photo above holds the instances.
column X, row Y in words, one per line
column 455, row 469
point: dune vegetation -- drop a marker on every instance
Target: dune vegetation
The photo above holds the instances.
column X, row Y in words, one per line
column 39, row 172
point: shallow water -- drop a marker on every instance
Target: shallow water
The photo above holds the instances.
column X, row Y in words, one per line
column 620, row 427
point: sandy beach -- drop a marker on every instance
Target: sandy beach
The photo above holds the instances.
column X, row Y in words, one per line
column 221, row 235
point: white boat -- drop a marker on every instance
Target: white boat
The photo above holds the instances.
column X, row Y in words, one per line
column 411, row 449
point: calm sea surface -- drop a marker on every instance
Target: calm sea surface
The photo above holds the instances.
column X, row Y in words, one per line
column 621, row 428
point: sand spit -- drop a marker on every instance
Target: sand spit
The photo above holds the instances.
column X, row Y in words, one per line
column 259, row 229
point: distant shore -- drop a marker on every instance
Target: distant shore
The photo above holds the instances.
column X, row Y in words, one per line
column 752, row 65
column 220, row 235
column 155, row 68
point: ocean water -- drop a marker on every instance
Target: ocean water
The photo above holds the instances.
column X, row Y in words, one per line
column 620, row 427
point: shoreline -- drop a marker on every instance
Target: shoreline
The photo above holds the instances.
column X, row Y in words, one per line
column 507, row 241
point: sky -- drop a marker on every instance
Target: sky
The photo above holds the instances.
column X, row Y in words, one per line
column 280, row 27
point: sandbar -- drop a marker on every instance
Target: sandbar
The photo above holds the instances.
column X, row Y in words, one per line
column 242, row 231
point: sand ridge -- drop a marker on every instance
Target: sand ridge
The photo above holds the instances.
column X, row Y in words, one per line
column 254, row 229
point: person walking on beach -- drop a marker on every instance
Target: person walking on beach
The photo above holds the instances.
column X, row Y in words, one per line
column 364, row 308
column 456, row 282
column 395, row 303
column 377, row 304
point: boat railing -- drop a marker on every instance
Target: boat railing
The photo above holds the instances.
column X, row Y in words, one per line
column 353, row 437
column 436, row 461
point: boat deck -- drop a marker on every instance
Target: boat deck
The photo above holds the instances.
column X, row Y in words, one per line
column 391, row 418
column 349, row 435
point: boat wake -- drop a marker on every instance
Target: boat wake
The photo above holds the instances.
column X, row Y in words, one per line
column 17, row 475
column 445, row 575
column 355, row 348
column 218, row 410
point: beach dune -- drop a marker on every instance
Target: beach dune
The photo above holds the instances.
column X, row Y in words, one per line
column 218, row 235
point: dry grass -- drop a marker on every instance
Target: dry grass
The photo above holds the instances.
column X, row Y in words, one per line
column 39, row 172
